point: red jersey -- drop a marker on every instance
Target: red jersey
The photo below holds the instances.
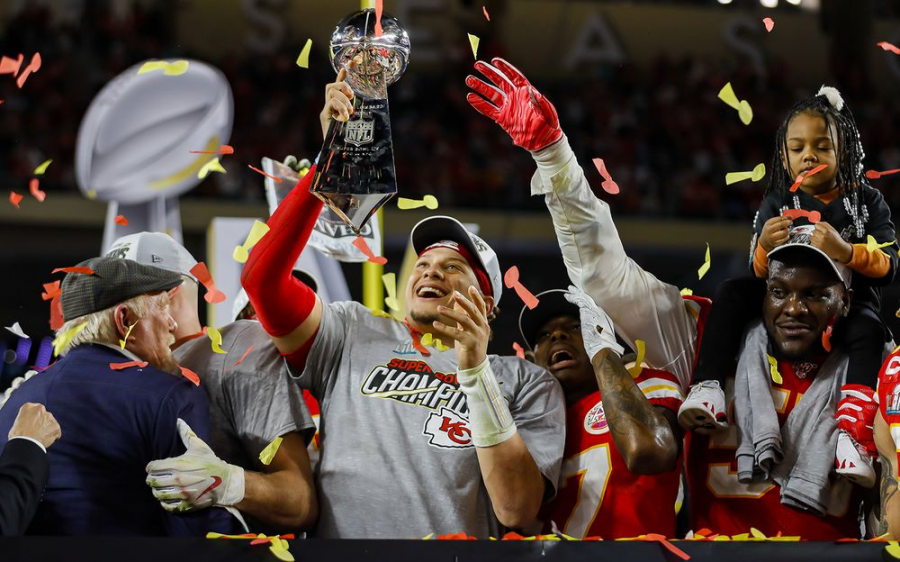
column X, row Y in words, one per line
column 597, row 495
column 725, row 506
column 889, row 395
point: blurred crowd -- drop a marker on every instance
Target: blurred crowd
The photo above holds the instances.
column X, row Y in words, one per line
column 665, row 137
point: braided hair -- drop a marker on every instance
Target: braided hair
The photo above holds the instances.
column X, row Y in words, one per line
column 849, row 178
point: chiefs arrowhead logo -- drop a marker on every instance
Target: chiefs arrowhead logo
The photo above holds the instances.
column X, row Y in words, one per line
column 448, row 430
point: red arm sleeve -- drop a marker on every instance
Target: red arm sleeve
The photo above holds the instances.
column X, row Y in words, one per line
column 282, row 302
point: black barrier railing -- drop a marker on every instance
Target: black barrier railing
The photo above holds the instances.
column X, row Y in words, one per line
column 114, row 549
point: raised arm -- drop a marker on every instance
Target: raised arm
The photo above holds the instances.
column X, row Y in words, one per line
column 885, row 517
column 641, row 306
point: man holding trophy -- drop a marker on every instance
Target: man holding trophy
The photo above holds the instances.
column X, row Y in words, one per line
column 451, row 438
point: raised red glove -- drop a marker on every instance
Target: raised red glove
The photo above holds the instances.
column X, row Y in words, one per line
column 856, row 415
column 514, row 104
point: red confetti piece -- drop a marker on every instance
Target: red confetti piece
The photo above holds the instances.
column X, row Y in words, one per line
column 34, row 188
column 811, row 216
column 888, row 47
column 15, row 199
column 520, row 353
column 456, row 537
column 277, row 180
column 203, row 275
column 51, row 291
column 33, row 66
column 121, row 220
column 74, row 269
column 261, row 540
column 190, row 375
column 360, row 243
column 416, row 341
column 486, row 15
column 769, row 23
column 127, row 365
column 608, row 184
column 826, row 335
column 379, row 8
column 511, row 279
column 224, row 149
column 874, row 175
column 244, row 356
column 11, row 66
column 653, row 537
column 802, row 177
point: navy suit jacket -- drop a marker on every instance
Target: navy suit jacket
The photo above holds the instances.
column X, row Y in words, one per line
column 23, row 475
column 113, row 423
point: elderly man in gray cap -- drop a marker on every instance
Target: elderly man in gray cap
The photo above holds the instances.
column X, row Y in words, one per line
column 121, row 397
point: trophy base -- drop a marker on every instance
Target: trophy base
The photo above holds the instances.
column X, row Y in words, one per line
column 355, row 210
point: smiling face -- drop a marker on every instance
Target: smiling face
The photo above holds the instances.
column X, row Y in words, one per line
column 436, row 275
column 559, row 348
column 801, row 299
column 811, row 142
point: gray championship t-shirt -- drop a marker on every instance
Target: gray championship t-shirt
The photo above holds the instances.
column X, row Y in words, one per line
column 397, row 460
column 251, row 403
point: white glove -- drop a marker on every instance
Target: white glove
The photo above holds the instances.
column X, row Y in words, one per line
column 195, row 480
column 597, row 329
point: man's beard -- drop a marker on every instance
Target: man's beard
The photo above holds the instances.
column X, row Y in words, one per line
column 424, row 318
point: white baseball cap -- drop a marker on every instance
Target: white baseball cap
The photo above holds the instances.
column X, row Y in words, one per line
column 799, row 237
column 154, row 248
column 436, row 229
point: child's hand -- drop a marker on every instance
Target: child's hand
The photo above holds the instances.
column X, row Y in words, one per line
column 774, row 233
column 827, row 239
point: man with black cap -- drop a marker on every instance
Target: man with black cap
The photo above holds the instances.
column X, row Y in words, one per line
column 449, row 437
column 120, row 396
column 620, row 473
column 244, row 373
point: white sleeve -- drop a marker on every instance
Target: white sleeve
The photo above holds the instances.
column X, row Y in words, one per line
column 641, row 306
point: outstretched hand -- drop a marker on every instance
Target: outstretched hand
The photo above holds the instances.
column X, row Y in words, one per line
column 472, row 330
column 597, row 329
column 514, row 104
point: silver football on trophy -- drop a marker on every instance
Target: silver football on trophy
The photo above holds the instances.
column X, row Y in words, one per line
column 381, row 60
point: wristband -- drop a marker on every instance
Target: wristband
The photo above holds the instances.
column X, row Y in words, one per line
column 489, row 417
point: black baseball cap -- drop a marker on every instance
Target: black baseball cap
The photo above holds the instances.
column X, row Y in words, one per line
column 551, row 304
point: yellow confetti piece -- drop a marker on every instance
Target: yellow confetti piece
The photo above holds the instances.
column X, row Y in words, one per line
column 705, row 267
column 428, row 339
column 303, row 59
column 212, row 166
column 773, row 368
column 474, row 40
column 756, row 533
column 169, row 68
column 128, row 333
column 872, row 244
column 280, row 551
column 686, row 292
column 893, row 549
column 64, row 338
column 39, row 171
column 257, row 231
column 428, row 537
column 91, row 194
column 429, row 202
column 380, row 313
column 390, row 286
column 745, row 112
column 215, row 337
column 758, row 173
column 641, row 352
column 268, row 453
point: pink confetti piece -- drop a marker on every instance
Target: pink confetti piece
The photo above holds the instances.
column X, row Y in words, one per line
column 520, row 353
column 33, row 66
column 653, row 537
column 203, row 275
column 826, row 335
column 257, row 170
column 15, row 199
column 244, row 356
column 794, row 214
column 486, row 15
column 127, row 365
column 889, row 47
column 35, row 190
column 769, row 23
column 121, row 220
column 224, row 149
column 608, row 184
column 511, row 280
column 802, row 177
column 360, row 243
column 10, row 65
column 379, row 8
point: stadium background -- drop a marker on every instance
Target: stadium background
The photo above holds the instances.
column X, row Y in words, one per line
column 635, row 83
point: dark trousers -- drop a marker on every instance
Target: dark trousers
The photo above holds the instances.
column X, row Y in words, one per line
column 739, row 301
